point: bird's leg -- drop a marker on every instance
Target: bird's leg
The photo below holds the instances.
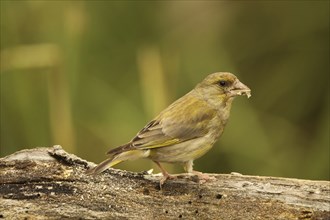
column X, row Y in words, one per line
column 166, row 175
column 203, row 177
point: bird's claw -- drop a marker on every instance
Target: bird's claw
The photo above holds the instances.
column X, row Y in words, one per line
column 165, row 177
column 203, row 177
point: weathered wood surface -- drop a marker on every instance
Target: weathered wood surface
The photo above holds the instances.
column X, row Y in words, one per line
column 48, row 183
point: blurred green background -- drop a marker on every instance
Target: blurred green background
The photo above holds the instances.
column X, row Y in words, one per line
column 88, row 75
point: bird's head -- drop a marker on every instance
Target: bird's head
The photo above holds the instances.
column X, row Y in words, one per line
column 223, row 84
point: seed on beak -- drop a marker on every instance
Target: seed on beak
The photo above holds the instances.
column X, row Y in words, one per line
column 241, row 89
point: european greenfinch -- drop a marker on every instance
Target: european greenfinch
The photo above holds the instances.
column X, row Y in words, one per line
column 186, row 129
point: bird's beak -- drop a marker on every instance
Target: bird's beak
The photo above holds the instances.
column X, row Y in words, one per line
column 240, row 89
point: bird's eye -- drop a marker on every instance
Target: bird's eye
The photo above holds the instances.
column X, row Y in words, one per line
column 223, row 83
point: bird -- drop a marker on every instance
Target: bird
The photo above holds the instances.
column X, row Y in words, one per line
column 185, row 130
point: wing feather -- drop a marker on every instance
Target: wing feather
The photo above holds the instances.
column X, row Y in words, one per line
column 185, row 119
column 181, row 121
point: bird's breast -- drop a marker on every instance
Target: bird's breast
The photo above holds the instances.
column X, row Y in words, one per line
column 182, row 152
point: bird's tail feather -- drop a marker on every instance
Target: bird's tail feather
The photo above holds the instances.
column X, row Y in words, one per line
column 115, row 159
column 103, row 166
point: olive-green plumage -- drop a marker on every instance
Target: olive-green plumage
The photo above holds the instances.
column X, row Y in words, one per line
column 186, row 129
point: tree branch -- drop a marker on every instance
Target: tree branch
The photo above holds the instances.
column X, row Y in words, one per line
column 50, row 183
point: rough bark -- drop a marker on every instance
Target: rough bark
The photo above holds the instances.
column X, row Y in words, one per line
column 48, row 183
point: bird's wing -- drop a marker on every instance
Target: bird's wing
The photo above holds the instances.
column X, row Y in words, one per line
column 184, row 120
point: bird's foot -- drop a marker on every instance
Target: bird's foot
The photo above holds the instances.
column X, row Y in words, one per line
column 203, row 177
column 166, row 176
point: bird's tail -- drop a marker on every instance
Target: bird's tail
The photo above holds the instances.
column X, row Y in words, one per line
column 118, row 158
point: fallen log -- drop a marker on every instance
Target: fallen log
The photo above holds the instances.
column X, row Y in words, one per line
column 49, row 183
